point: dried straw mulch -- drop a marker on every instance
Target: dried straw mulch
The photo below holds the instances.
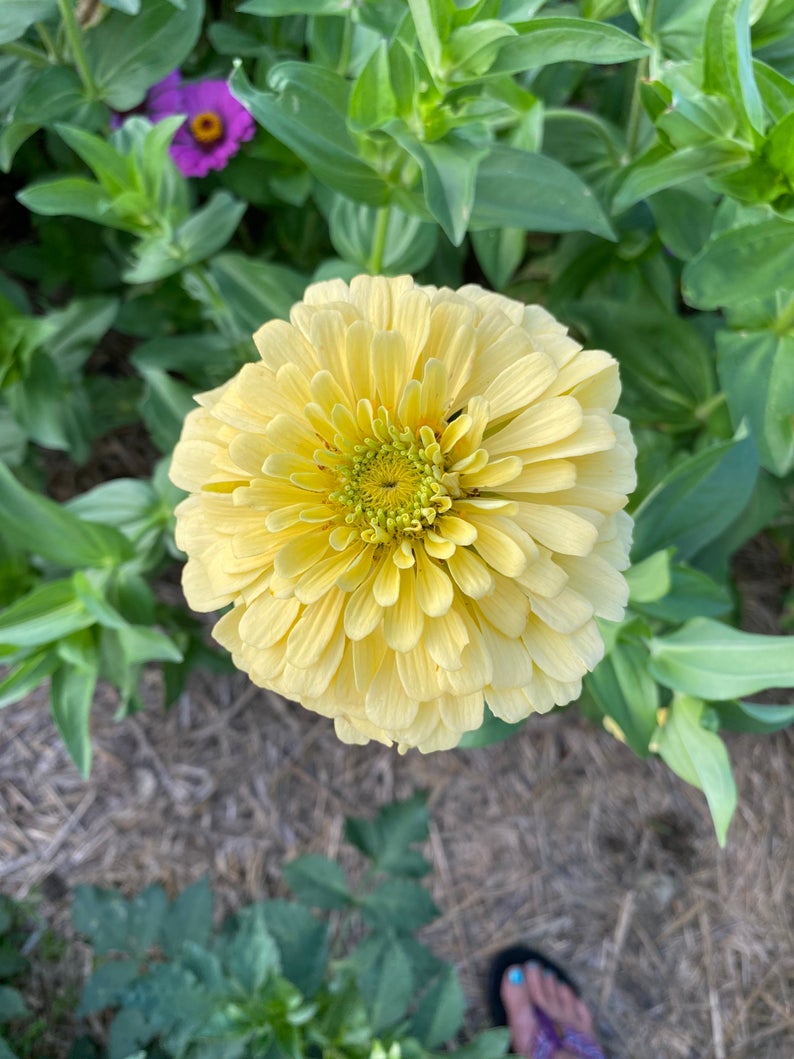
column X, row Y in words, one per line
column 560, row 836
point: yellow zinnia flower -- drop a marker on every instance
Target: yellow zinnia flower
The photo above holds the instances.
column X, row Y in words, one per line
column 413, row 503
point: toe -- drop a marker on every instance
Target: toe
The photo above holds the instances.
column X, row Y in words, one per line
column 520, row 1012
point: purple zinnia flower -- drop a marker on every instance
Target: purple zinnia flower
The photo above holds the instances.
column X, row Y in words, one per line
column 161, row 100
column 216, row 125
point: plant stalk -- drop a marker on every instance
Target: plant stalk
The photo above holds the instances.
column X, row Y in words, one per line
column 27, row 52
column 75, row 38
column 375, row 263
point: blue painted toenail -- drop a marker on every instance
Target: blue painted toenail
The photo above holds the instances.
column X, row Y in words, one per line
column 515, row 976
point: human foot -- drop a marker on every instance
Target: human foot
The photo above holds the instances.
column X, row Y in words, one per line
column 545, row 1016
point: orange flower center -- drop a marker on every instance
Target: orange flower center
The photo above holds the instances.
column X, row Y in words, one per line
column 206, row 127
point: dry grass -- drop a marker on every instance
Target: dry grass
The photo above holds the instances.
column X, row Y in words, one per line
column 560, row 836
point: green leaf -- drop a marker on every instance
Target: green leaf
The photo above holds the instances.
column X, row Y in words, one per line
column 56, row 94
column 165, row 404
column 440, row 1015
column 752, row 261
column 471, row 50
column 432, row 23
column 699, row 757
column 140, row 644
column 410, row 241
column 113, row 924
column 659, row 169
column 72, row 197
column 41, row 526
column 188, row 919
column 26, row 675
column 307, row 111
column 553, row 40
column 318, row 881
column 650, row 579
column 756, row 370
column 776, row 90
column 17, row 15
column 697, row 500
column 449, row 171
column 728, row 61
column 714, row 661
column 105, row 987
column 128, row 55
column 691, row 594
column 754, row 716
column 45, row 614
column 12, row 1004
column 372, row 101
column 387, row 839
column 302, row 942
column 250, row 954
column 71, row 695
column 499, row 253
column 623, row 689
column 520, row 189
column 254, row 290
column 276, row 8
column 401, row 905
column 490, row 1044
column 206, row 232
column 684, row 220
column 667, row 367
column 383, row 972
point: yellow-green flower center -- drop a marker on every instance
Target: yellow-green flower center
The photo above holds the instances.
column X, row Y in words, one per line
column 391, row 488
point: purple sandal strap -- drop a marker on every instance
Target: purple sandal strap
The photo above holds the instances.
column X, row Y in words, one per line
column 580, row 1045
column 547, row 1041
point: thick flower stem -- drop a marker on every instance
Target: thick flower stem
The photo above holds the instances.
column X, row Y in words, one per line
column 75, row 38
column 375, row 263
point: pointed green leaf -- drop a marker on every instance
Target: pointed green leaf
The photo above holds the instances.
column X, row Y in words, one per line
column 699, row 757
column 440, row 1015
column 728, row 61
column 757, row 373
column 317, row 881
column 714, row 661
column 697, row 500
column 387, row 839
column 129, row 54
column 553, row 40
column 743, row 263
column 71, row 695
column 41, row 526
column 521, row 189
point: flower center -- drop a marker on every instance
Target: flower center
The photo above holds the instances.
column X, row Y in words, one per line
column 392, row 487
column 206, row 127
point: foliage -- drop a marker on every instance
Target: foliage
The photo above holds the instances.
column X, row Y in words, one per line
column 628, row 163
column 276, row 979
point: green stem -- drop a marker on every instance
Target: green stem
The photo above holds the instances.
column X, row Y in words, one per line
column 703, row 411
column 75, row 38
column 375, row 263
column 26, row 52
column 46, row 39
column 635, row 110
column 346, row 48
column 216, row 304
column 785, row 320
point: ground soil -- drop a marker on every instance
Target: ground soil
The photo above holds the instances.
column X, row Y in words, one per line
column 560, row 836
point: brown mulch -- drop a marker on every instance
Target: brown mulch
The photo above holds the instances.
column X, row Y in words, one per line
column 560, row 836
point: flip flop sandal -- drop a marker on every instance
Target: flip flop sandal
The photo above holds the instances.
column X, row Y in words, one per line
column 548, row 1041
